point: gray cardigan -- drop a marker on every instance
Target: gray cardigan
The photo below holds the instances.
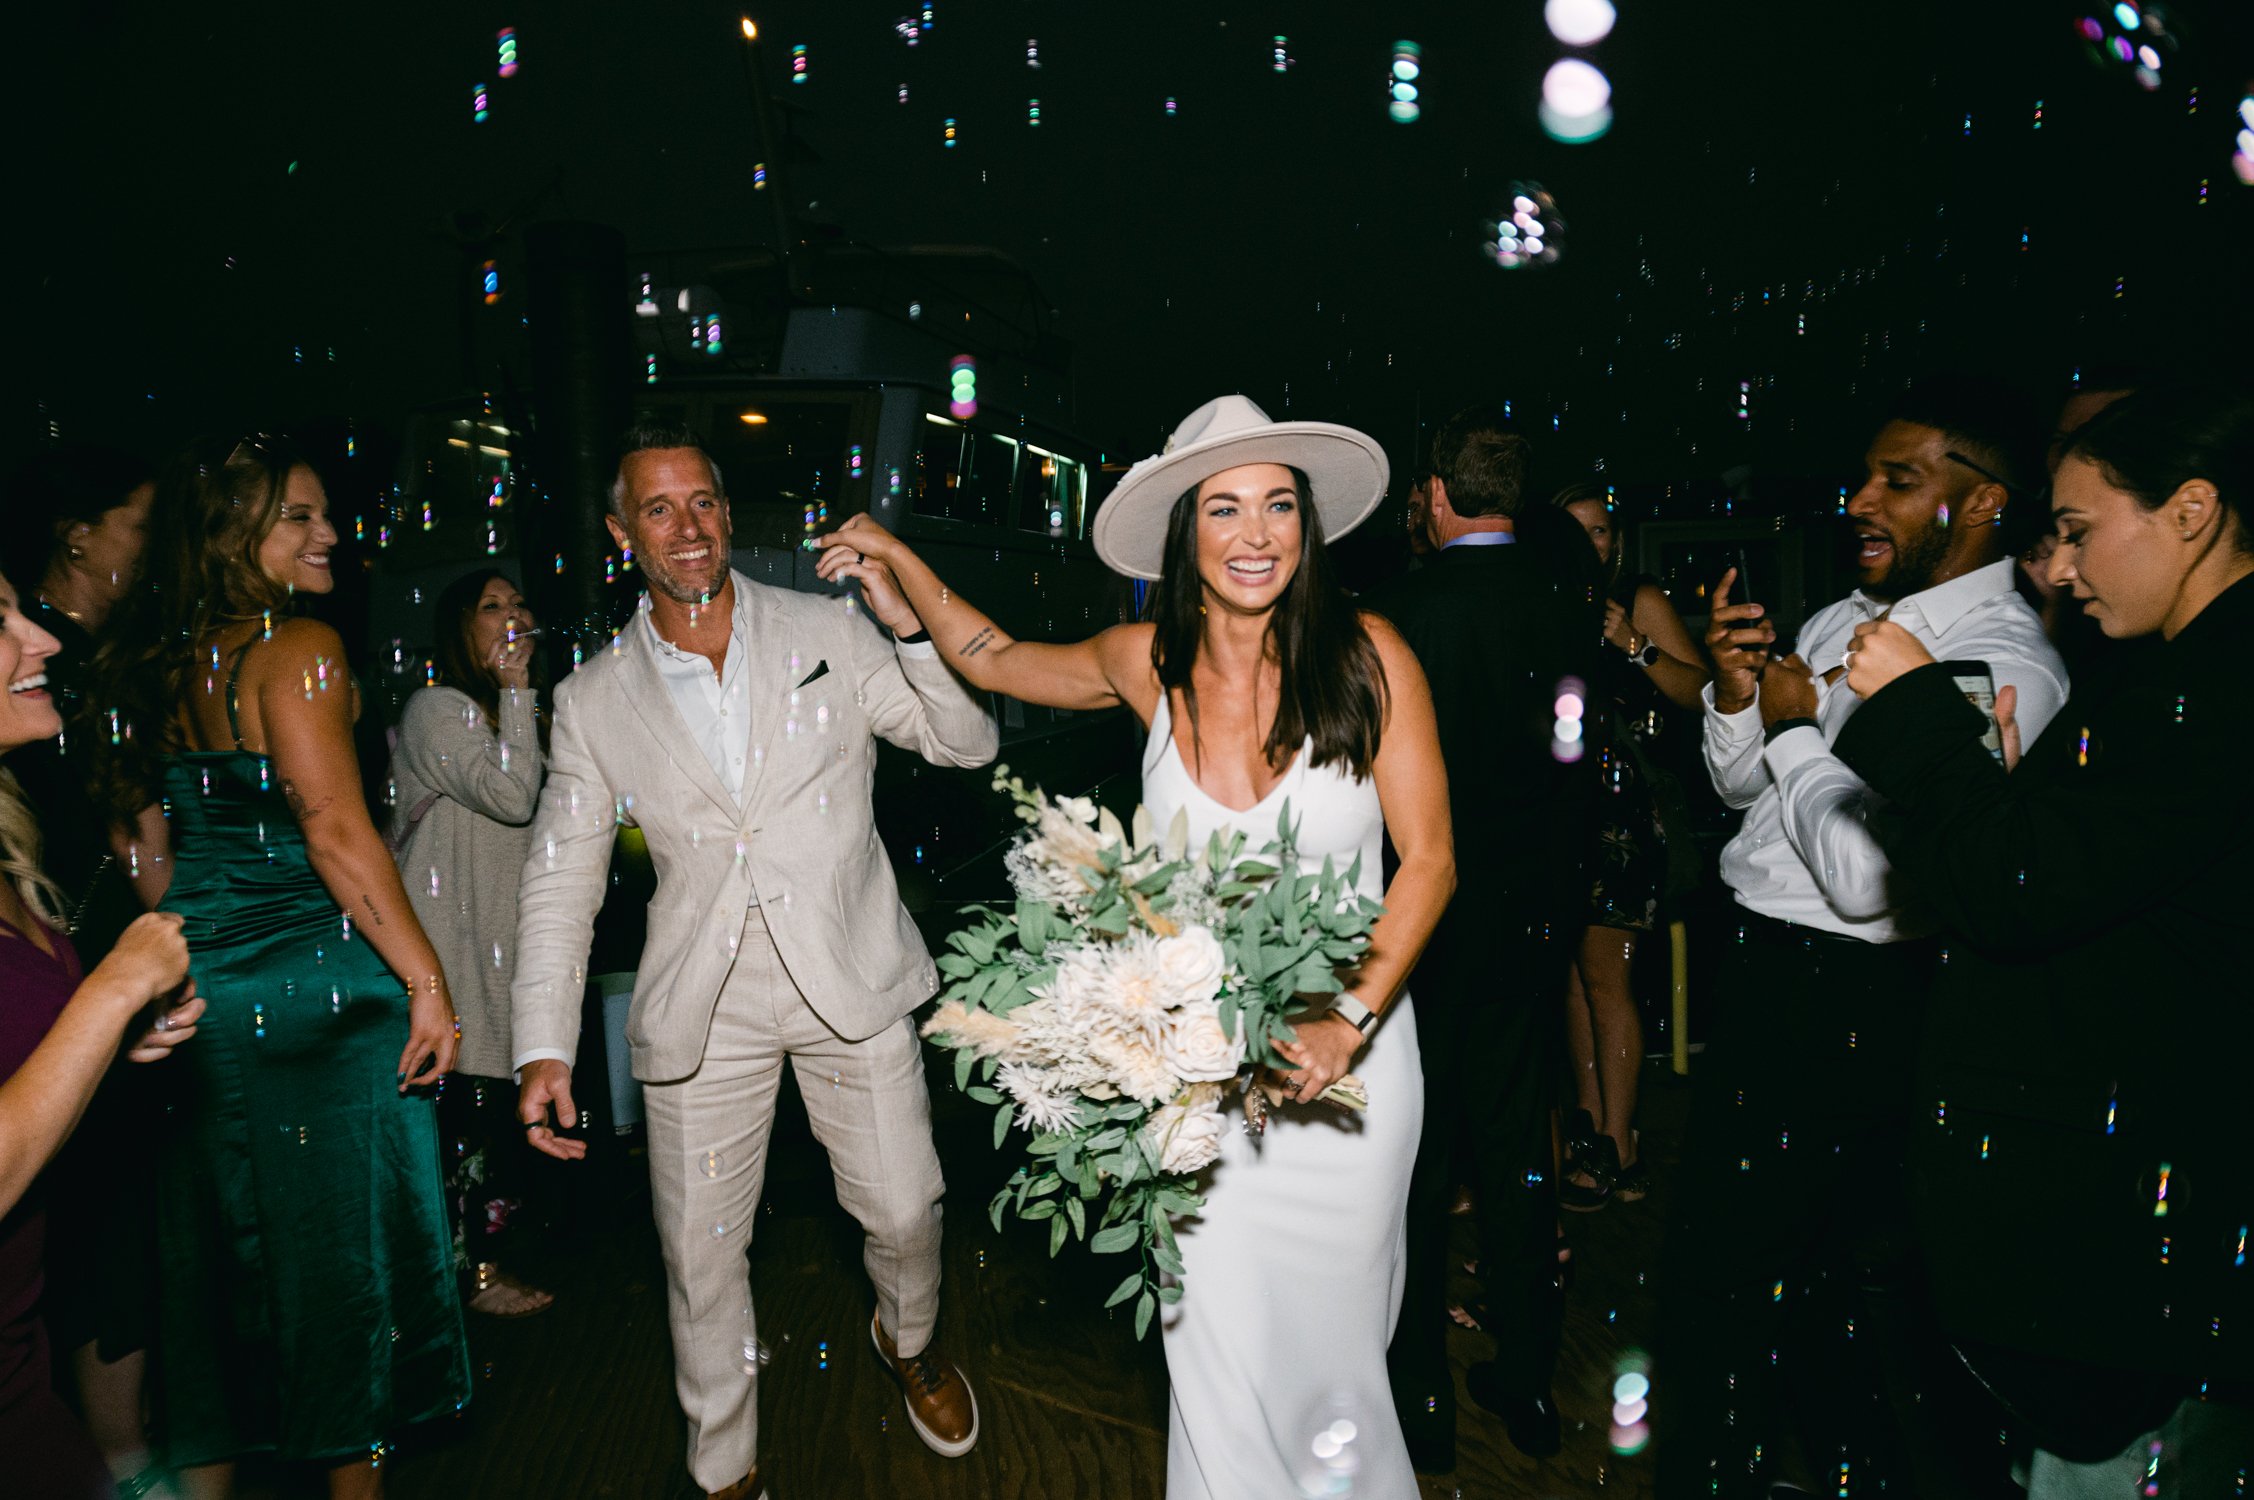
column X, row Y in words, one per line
column 462, row 857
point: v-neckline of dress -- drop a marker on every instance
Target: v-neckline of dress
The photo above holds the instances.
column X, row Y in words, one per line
column 1174, row 748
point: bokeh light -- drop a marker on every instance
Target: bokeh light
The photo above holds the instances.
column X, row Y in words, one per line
column 1580, row 23
column 962, row 387
column 1401, row 83
column 1571, row 708
column 1528, row 232
column 507, row 43
column 1574, row 87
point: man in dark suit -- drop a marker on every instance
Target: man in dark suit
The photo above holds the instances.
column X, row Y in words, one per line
column 1505, row 618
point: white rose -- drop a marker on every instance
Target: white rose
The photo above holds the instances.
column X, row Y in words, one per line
column 1135, row 1068
column 1192, row 964
column 1196, row 1047
column 1189, row 1131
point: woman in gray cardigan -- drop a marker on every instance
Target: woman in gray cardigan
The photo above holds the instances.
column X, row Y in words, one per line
column 466, row 776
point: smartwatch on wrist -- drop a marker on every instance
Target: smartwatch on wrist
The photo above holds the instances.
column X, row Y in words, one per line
column 1650, row 654
column 1350, row 1009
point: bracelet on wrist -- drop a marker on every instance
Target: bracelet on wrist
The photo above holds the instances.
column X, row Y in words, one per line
column 917, row 639
column 1349, row 1008
column 1769, row 735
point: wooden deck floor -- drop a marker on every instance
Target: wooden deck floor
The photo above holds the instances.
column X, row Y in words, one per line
column 578, row 1402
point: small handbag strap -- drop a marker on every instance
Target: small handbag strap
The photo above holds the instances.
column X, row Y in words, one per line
column 414, row 817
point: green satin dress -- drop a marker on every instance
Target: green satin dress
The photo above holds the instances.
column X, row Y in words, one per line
column 307, row 1302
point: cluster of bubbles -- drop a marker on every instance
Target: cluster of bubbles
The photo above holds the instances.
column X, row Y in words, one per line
column 1401, row 83
column 1576, row 96
column 1631, row 1404
column 2242, row 159
column 481, row 95
column 1530, row 234
column 2136, row 36
column 907, row 30
column 1567, row 735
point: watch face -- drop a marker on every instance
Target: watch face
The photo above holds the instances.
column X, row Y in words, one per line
column 1649, row 654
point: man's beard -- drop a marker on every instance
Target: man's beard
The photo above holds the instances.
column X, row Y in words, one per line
column 672, row 588
column 1917, row 560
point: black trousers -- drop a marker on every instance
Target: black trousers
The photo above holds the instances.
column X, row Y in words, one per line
column 1790, row 1237
column 1489, row 1017
column 490, row 1172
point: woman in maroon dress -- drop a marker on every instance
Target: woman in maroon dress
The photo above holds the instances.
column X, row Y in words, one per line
column 57, row 1037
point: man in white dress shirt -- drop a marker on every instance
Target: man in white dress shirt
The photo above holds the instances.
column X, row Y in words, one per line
column 735, row 725
column 1791, row 1198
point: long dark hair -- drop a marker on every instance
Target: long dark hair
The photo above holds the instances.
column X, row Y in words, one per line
column 1333, row 682
column 50, row 494
column 215, row 504
column 1611, row 569
column 460, row 667
column 2154, row 441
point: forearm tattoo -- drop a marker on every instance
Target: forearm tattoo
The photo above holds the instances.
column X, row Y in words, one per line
column 978, row 642
column 369, row 902
column 304, row 811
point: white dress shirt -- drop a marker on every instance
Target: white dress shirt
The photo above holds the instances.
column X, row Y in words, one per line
column 1804, row 853
column 712, row 705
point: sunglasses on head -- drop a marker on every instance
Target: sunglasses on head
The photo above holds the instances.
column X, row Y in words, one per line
column 1989, row 474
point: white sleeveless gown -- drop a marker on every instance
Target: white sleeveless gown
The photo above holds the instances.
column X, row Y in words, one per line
column 1292, row 1275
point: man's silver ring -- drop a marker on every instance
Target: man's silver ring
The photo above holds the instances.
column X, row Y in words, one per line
column 164, row 1022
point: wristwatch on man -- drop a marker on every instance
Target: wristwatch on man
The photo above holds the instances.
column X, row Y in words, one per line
column 1642, row 650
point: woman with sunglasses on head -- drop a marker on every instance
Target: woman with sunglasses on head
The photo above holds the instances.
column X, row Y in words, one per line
column 465, row 782
column 1261, row 684
column 306, row 1303
column 2082, row 1189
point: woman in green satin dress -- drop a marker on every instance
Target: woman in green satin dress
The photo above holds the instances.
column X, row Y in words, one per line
column 306, row 1305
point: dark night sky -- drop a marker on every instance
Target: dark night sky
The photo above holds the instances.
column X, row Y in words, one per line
column 1279, row 236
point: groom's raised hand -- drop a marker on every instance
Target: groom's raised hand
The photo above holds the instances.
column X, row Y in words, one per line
column 547, row 1081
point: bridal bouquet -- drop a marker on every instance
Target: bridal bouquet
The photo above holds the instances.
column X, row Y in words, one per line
column 1110, row 1012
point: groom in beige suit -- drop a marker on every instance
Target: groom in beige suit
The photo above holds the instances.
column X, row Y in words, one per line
column 735, row 725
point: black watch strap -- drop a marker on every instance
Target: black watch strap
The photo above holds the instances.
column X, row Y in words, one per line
column 1769, row 736
column 917, row 639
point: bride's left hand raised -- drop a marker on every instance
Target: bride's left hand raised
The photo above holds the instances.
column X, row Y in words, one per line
column 1323, row 1053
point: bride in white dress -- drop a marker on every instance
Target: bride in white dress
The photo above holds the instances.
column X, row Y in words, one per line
column 1263, row 687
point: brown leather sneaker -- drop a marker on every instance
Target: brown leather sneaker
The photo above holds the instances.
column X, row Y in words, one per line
column 940, row 1404
column 746, row 1488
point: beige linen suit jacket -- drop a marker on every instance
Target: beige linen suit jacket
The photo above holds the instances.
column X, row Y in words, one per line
column 823, row 684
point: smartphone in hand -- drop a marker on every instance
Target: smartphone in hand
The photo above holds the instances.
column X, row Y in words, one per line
column 1978, row 685
column 1741, row 592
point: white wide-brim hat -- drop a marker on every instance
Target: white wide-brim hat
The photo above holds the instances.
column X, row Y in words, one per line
column 1346, row 472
